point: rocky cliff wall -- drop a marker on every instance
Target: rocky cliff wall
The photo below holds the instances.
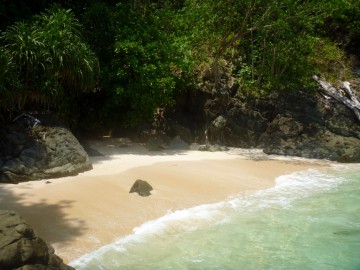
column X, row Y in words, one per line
column 296, row 124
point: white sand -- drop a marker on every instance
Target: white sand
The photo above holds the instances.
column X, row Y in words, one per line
column 80, row 214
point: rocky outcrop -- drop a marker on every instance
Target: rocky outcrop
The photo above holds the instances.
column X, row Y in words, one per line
column 240, row 126
column 314, row 127
column 21, row 249
column 296, row 124
column 39, row 148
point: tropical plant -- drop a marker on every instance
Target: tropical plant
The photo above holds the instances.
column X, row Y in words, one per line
column 9, row 81
column 53, row 63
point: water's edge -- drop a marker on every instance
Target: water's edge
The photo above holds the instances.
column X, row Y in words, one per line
column 284, row 198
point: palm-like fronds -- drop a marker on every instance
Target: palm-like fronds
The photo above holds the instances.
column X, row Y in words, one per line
column 50, row 59
column 8, row 81
column 24, row 42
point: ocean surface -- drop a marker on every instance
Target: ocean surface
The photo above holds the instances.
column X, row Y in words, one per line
column 309, row 220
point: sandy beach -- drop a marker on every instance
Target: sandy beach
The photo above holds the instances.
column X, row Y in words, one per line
column 79, row 214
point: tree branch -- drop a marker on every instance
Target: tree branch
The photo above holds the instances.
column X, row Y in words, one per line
column 331, row 91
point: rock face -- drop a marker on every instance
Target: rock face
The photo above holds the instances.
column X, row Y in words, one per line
column 314, row 128
column 298, row 124
column 20, row 249
column 239, row 126
column 32, row 151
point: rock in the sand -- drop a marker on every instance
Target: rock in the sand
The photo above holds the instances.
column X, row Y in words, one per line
column 21, row 249
column 45, row 150
column 141, row 187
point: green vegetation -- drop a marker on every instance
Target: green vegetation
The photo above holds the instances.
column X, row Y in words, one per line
column 143, row 63
column 119, row 60
column 47, row 63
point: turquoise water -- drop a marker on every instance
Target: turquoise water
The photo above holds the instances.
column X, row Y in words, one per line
column 309, row 220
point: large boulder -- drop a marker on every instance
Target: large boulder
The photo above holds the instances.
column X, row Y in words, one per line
column 38, row 149
column 20, row 248
column 314, row 128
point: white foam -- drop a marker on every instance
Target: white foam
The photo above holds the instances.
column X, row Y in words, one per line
column 171, row 224
column 287, row 189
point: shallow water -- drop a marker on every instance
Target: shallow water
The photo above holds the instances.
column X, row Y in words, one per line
column 309, row 220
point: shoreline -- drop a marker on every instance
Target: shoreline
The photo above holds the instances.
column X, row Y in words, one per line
column 80, row 214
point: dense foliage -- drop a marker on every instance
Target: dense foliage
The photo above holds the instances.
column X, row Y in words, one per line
column 47, row 63
column 147, row 50
column 144, row 59
column 275, row 45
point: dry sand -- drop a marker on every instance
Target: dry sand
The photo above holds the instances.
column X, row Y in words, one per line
column 80, row 214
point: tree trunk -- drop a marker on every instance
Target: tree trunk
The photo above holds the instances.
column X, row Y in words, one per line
column 331, row 91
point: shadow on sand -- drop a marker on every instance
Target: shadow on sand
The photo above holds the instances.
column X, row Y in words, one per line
column 47, row 219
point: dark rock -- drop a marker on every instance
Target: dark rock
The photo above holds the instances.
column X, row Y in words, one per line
column 42, row 151
column 155, row 143
column 240, row 127
column 20, row 248
column 176, row 129
column 141, row 187
column 89, row 150
column 317, row 128
column 212, row 109
column 295, row 124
